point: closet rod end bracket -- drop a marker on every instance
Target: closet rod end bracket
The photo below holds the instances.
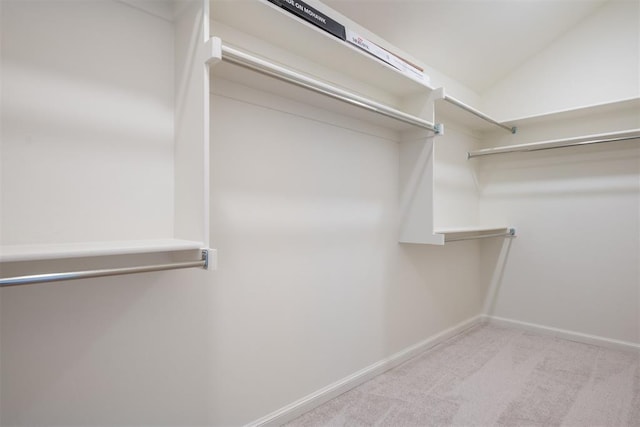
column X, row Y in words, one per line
column 210, row 258
column 213, row 51
column 514, row 129
column 205, row 257
column 438, row 129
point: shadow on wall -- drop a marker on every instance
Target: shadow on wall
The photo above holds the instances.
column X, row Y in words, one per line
column 494, row 255
column 418, row 165
column 80, row 344
column 433, row 288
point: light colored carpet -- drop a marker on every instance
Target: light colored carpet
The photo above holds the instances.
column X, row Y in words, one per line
column 496, row 376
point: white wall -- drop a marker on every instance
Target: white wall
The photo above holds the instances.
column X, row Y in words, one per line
column 87, row 152
column 597, row 61
column 87, row 115
column 456, row 200
column 129, row 350
column 312, row 285
column 574, row 265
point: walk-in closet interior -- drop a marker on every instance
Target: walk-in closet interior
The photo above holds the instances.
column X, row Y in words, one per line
column 230, row 212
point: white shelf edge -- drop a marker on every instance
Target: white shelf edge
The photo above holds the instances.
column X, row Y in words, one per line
column 450, row 107
column 470, row 229
column 432, row 239
column 36, row 252
column 624, row 135
column 473, row 233
column 585, row 109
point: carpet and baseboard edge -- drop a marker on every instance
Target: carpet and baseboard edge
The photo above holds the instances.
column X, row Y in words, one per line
column 331, row 391
column 307, row 403
column 562, row 333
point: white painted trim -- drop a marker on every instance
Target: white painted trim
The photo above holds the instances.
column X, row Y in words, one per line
column 563, row 333
column 331, row 391
column 37, row 252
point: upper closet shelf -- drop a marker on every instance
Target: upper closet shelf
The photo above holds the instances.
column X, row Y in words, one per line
column 626, row 135
column 221, row 52
column 593, row 110
column 35, row 252
column 449, row 107
column 276, row 27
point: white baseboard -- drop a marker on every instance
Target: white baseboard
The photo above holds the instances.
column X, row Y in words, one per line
column 331, row 391
column 307, row 403
column 563, row 333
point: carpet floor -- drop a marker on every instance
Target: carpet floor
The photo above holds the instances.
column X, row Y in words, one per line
column 496, row 376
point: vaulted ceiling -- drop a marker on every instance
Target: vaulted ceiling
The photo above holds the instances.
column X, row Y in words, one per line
column 477, row 42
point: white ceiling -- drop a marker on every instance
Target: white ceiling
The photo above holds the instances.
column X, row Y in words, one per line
column 477, row 42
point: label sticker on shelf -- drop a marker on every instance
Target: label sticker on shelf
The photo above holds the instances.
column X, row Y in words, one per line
column 400, row 64
column 312, row 15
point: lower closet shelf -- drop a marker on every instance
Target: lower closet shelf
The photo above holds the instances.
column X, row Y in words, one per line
column 31, row 264
column 453, row 234
column 16, row 253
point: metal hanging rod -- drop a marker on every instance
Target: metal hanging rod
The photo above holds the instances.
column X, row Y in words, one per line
column 237, row 57
column 56, row 277
column 477, row 113
column 559, row 143
column 510, row 233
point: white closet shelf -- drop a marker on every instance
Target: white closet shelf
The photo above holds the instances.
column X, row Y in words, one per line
column 280, row 28
column 449, row 107
column 625, row 112
column 14, row 253
column 576, row 113
column 452, row 234
column 626, row 135
column 237, row 65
